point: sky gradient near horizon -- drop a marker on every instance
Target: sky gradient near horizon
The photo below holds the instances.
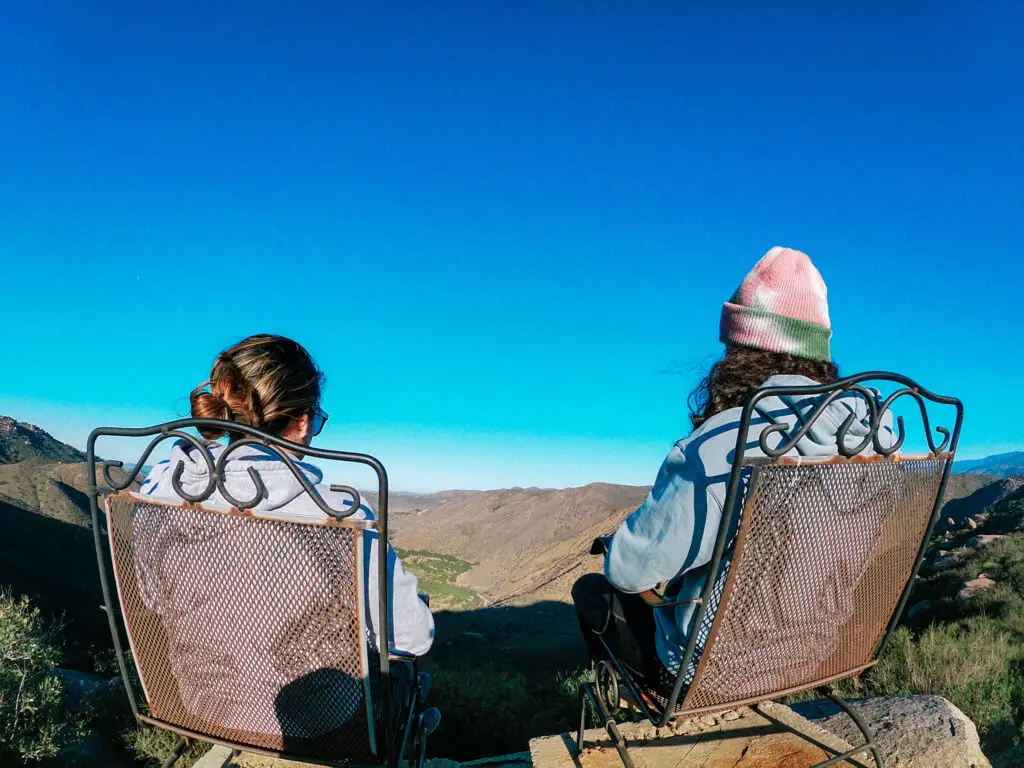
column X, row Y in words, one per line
column 504, row 230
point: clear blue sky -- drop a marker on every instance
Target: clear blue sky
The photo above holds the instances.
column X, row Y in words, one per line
column 504, row 229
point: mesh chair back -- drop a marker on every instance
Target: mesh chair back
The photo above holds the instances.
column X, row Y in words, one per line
column 820, row 561
column 246, row 630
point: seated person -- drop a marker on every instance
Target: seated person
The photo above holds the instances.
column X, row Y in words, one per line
column 776, row 330
column 271, row 383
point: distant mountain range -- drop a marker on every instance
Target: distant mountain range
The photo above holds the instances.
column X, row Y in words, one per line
column 999, row 465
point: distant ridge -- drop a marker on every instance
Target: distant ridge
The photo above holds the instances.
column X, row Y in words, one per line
column 26, row 442
column 999, row 465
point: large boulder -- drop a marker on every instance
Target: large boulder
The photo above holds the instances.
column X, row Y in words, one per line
column 911, row 731
column 984, row 539
column 974, row 587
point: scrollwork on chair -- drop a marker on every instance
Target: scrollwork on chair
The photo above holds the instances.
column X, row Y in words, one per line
column 278, row 447
column 874, row 421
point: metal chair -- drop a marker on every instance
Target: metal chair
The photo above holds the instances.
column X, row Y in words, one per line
column 246, row 631
column 809, row 586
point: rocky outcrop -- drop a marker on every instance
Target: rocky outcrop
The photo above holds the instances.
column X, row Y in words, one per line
column 911, row 731
column 974, row 587
column 984, row 539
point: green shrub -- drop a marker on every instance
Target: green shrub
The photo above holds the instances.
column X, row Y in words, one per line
column 151, row 746
column 33, row 722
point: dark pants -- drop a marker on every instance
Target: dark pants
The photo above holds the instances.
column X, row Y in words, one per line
column 623, row 621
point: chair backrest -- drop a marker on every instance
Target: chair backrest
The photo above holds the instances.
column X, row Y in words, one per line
column 245, row 630
column 824, row 555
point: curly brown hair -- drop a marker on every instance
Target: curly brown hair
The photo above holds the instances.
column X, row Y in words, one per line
column 742, row 370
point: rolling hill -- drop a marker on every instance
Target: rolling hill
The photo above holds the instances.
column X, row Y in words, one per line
column 518, row 539
column 1000, row 465
column 46, row 547
column 27, row 442
column 53, row 490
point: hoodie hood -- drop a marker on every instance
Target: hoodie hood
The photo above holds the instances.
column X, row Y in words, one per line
column 283, row 488
column 822, row 438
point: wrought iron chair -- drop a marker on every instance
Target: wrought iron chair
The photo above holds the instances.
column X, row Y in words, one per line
column 809, row 586
column 246, row 631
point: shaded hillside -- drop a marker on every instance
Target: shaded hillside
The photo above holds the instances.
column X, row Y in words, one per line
column 963, row 485
column 54, row 563
column 988, row 493
column 46, row 547
column 24, row 442
column 55, row 490
column 1001, row 465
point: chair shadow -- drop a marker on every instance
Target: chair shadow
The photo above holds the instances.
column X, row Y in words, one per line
column 322, row 713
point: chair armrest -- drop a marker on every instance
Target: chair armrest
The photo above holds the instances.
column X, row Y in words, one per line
column 657, row 600
column 601, row 545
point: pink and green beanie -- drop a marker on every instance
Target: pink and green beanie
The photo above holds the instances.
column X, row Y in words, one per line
column 781, row 306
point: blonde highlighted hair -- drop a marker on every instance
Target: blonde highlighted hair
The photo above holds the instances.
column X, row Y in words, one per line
column 264, row 381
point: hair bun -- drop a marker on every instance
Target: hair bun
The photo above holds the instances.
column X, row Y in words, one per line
column 206, row 405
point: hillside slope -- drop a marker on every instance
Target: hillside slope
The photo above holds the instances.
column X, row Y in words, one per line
column 520, row 536
column 25, row 442
column 964, row 500
column 54, row 563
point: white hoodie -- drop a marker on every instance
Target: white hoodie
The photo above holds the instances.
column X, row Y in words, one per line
column 412, row 626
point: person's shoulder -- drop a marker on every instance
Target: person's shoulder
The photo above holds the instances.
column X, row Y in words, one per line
column 343, row 502
column 720, row 427
column 156, row 479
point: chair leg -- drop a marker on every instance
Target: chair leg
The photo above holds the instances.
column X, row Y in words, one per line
column 179, row 747
column 583, row 721
column 426, row 725
column 587, row 692
column 868, row 744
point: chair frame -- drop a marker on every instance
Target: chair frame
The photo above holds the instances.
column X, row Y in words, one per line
column 602, row 694
column 242, row 435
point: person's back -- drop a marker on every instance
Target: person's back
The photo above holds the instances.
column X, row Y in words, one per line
column 776, row 330
column 270, row 383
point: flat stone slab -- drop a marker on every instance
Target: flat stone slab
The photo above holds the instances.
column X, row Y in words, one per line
column 770, row 736
column 911, row 732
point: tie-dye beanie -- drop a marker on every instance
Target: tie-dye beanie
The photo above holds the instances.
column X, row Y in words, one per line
column 781, row 306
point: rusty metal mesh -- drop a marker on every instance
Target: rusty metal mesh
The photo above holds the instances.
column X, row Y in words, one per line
column 244, row 629
column 821, row 559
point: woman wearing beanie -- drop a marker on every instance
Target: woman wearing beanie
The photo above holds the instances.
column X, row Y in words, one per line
column 776, row 332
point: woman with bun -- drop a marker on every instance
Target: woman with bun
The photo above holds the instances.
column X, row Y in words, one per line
column 280, row 680
column 272, row 383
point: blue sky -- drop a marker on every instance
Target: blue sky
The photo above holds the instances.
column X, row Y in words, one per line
column 505, row 230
